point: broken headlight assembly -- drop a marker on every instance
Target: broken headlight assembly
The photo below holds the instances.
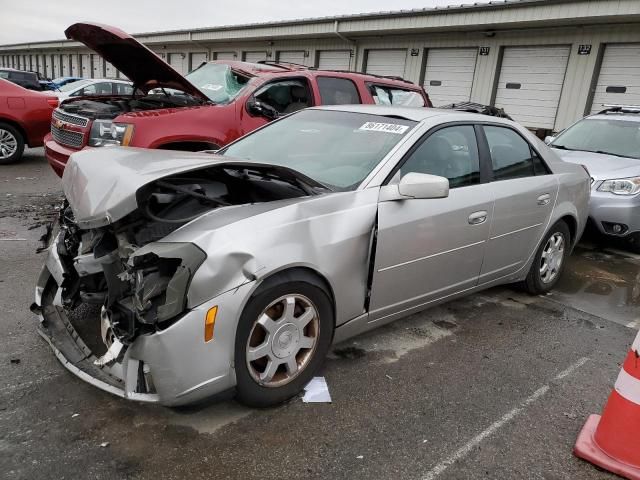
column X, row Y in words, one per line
column 105, row 133
column 153, row 288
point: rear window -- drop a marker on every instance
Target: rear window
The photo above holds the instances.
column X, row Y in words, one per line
column 338, row 91
column 387, row 95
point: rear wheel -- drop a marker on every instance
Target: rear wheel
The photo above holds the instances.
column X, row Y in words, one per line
column 549, row 260
column 283, row 336
column 11, row 144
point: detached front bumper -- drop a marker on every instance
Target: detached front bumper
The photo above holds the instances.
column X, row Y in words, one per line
column 176, row 362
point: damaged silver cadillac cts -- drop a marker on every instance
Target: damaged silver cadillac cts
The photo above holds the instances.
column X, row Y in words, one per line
column 175, row 276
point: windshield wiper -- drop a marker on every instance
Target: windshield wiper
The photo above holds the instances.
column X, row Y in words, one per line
column 562, row 147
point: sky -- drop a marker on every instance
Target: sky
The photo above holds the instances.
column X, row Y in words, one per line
column 38, row 20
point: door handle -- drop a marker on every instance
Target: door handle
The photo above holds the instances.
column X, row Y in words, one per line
column 544, row 199
column 476, row 218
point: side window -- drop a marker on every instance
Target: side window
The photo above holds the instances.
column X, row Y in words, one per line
column 386, row 95
column 338, row 91
column 511, row 155
column 450, row 152
column 123, row 89
column 286, row 96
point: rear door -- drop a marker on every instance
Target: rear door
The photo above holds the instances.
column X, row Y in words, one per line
column 428, row 249
column 525, row 194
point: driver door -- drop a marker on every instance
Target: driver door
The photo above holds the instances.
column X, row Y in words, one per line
column 428, row 249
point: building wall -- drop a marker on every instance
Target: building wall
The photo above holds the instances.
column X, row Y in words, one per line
column 574, row 99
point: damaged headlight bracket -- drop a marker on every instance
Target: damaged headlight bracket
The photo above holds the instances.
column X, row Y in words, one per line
column 163, row 269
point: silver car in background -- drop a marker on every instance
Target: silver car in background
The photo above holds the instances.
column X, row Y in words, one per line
column 608, row 145
column 208, row 272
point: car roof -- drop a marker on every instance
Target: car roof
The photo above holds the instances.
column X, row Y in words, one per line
column 286, row 68
column 416, row 114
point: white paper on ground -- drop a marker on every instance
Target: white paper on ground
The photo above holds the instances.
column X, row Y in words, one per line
column 317, row 391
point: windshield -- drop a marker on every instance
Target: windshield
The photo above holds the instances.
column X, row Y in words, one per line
column 217, row 81
column 602, row 135
column 336, row 149
column 70, row 87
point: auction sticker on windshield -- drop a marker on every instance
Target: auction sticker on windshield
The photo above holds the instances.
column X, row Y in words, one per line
column 384, row 127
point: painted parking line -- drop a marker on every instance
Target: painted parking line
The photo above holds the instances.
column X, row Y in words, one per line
column 463, row 451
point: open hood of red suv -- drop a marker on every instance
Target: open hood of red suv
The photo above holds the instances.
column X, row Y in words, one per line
column 141, row 65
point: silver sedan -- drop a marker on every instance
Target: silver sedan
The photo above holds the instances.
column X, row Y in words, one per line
column 209, row 272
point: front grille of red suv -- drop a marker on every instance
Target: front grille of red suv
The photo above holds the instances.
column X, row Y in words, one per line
column 67, row 137
column 72, row 119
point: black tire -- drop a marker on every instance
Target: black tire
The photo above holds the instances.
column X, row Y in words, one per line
column 17, row 154
column 248, row 390
column 534, row 283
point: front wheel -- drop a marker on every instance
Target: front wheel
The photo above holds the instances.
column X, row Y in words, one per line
column 549, row 260
column 282, row 339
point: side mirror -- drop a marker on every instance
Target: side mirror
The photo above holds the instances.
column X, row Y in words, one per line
column 548, row 139
column 423, row 185
column 415, row 185
column 262, row 109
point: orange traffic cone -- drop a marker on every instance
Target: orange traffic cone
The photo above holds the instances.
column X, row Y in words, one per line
column 613, row 440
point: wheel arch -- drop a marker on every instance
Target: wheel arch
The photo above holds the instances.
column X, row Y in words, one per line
column 299, row 274
column 17, row 126
column 572, row 224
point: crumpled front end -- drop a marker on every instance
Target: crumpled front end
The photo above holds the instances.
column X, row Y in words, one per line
column 133, row 346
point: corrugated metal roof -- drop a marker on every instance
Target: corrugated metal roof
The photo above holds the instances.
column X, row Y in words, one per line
column 326, row 22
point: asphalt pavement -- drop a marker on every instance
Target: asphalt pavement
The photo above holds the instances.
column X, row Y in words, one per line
column 493, row 386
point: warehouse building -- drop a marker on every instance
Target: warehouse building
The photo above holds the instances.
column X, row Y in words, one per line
column 546, row 62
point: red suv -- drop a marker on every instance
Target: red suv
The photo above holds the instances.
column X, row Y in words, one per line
column 210, row 107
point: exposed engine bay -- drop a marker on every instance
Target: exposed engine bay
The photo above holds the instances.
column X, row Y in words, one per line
column 142, row 282
column 111, row 107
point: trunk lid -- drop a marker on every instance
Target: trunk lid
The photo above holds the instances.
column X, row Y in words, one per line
column 134, row 60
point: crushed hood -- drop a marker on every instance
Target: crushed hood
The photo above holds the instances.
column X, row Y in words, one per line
column 601, row 166
column 101, row 184
column 141, row 65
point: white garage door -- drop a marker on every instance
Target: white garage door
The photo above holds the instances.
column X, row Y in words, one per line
column 530, row 84
column 65, row 66
column 254, row 57
column 334, row 60
column 55, row 67
column 386, row 62
column 179, row 62
column 229, row 56
column 98, row 64
column 110, row 71
column 619, row 79
column 448, row 75
column 197, row 59
column 292, row 57
column 85, row 67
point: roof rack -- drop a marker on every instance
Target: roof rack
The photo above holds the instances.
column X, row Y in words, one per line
column 283, row 65
column 473, row 107
column 386, row 77
column 620, row 109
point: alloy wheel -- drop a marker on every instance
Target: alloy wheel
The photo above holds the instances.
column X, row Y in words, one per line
column 8, row 144
column 552, row 258
column 283, row 340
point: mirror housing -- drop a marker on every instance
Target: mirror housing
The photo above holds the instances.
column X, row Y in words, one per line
column 416, row 185
column 258, row 108
column 548, row 139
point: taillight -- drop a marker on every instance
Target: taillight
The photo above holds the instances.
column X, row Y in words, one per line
column 53, row 102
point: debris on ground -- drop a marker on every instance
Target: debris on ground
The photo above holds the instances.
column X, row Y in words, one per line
column 15, row 361
column 317, row 391
column 104, row 444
